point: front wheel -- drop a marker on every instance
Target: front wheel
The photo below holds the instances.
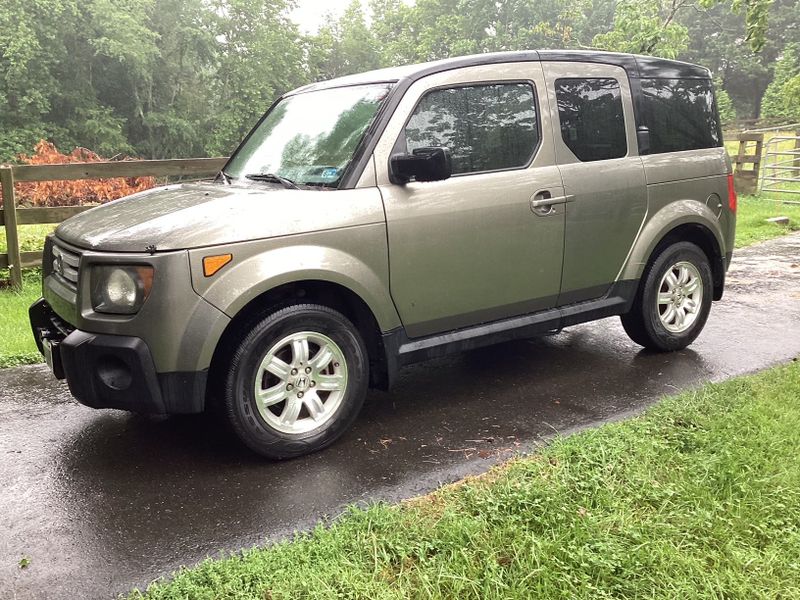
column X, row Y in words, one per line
column 296, row 381
column 673, row 301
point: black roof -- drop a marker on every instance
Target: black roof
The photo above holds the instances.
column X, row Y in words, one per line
column 637, row 66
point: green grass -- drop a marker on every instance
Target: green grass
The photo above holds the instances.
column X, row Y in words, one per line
column 752, row 215
column 31, row 237
column 16, row 341
column 697, row 498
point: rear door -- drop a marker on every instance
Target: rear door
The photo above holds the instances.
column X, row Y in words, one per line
column 597, row 154
column 473, row 248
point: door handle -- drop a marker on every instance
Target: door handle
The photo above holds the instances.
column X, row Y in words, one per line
column 551, row 201
column 543, row 204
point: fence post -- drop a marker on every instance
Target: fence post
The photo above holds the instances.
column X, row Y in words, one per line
column 10, row 218
column 746, row 180
column 797, row 148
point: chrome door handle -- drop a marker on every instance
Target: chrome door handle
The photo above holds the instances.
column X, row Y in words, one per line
column 551, row 201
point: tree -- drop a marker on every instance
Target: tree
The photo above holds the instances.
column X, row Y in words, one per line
column 652, row 26
column 346, row 46
column 646, row 27
column 157, row 78
column 782, row 98
column 727, row 112
column 434, row 29
column 31, row 43
column 259, row 58
column 717, row 40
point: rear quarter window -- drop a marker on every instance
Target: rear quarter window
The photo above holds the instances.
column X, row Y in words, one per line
column 591, row 118
column 681, row 114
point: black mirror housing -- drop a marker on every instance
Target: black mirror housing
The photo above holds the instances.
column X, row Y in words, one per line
column 423, row 164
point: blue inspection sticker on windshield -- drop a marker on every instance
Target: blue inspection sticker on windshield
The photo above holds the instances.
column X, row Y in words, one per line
column 330, row 173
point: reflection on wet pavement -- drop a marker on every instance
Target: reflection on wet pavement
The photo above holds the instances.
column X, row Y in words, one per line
column 102, row 501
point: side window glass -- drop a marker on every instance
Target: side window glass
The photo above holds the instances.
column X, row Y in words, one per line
column 592, row 122
column 485, row 127
column 680, row 114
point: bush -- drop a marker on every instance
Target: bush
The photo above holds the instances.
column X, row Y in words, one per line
column 70, row 193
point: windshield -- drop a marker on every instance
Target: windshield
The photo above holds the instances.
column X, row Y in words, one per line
column 310, row 138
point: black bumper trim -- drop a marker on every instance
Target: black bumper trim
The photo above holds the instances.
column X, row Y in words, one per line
column 114, row 371
column 109, row 371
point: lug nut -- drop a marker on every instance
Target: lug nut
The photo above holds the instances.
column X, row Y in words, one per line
column 308, row 369
column 294, row 371
column 299, row 394
column 313, row 383
column 289, row 387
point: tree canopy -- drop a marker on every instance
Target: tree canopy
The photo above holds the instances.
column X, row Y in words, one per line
column 176, row 78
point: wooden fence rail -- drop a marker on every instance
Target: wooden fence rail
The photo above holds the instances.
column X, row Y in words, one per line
column 12, row 217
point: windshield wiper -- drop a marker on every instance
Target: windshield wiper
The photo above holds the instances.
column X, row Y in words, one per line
column 224, row 176
column 272, row 178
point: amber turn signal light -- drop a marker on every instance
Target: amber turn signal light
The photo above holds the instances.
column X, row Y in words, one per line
column 212, row 264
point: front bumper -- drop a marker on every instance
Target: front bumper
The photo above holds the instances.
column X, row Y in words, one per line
column 113, row 371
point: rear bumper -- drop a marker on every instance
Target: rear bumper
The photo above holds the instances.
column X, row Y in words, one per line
column 113, row 371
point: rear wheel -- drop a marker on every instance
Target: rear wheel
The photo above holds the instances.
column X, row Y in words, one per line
column 297, row 381
column 673, row 301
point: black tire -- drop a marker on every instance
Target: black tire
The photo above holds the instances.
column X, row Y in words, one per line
column 643, row 323
column 239, row 396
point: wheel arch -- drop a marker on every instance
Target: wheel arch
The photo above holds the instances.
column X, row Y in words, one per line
column 309, row 291
column 688, row 221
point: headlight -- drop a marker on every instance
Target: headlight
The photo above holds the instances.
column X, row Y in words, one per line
column 120, row 290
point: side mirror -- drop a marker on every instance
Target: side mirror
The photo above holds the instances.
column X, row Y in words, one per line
column 643, row 139
column 423, row 164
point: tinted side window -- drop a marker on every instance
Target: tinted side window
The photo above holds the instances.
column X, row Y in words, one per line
column 592, row 123
column 680, row 114
column 486, row 127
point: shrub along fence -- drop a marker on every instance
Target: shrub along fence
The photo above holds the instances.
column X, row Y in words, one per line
column 11, row 216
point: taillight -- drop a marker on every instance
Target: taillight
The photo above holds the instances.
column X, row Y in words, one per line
column 731, row 194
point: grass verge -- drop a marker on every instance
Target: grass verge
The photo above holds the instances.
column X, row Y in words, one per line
column 16, row 340
column 752, row 215
column 698, row 497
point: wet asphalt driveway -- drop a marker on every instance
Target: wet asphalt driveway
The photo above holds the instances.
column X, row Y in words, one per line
column 102, row 501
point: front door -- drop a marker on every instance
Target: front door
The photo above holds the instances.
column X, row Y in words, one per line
column 602, row 172
column 483, row 245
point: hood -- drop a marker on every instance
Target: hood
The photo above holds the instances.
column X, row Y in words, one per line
column 184, row 216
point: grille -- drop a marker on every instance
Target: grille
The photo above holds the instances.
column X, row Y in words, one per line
column 65, row 264
column 61, row 325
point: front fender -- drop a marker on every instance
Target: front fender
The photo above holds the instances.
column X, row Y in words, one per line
column 356, row 258
column 674, row 214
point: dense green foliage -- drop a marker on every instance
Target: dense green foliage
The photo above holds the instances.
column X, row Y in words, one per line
column 782, row 98
column 151, row 77
column 173, row 78
column 696, row 499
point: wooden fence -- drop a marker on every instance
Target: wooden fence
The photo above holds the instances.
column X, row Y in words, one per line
column 747, row 162
column 12, row 217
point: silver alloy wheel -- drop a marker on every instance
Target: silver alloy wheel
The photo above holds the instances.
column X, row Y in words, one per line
column 301, row 382
column 680, row 297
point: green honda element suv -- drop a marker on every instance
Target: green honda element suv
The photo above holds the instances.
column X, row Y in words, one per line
column 384, row 218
